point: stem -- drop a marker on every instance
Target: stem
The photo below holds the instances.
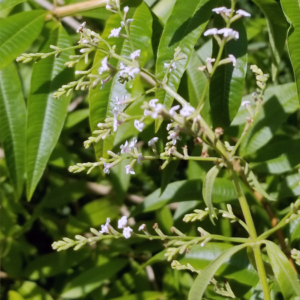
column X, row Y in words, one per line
column 261, row 271
column 72, row 9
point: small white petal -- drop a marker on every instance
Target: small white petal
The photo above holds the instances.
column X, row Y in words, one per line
column 127, row 232
column 186, row 111
column 136, row 54
column 246, row 103
column 122, row 222
column 232, row 59
column 219, row 10
column 142, row 227
column 152, row 103
column 129, row 170
column 115, row 32
column 212, row 31
column 173, row 110
column 243, row 13
column 139, row 125
column 126, row 9
column 153, row 141
column 132, row 143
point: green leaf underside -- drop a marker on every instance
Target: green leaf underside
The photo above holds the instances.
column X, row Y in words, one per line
column 46, row 115
column 91, row 279
column 279, row 102
column 227, row 84
column 186, row 190
column 237, row 268
column 207, row 191
column 253, row 182
column 4, row 4
column 277, row 28
column 101, row 99
column 12, row 125
column 291, row 9
column 18, row 32
column 283, row 271
column 183, row 28
column 199, row 286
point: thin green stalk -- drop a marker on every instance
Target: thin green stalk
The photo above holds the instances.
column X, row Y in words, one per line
column 261, row 271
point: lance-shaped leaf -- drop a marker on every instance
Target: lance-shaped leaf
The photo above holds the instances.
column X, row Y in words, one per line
column 17, row 34
column 277, row 28
column 4, row 4
column 283, row 271
column 101, row 99
column 46, row 115
column 183, row 28
column 279, row 102
column 207, row 190
column 227, row 84
column 12, row 125
column 199, row 286
column 291, row 9
column 253, row 182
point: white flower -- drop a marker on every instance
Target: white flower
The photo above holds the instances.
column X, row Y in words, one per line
column 136, row 54
column 122, row 24
column 115, row 32
column 169, row 126
column 246, row 103
column 202, row 68
column 232, row 59
column 212, row 31
column 129, row 21
column 122, row 222
column 139, row 125
column 153, row 141
column 173, row 110
column 142, row 227
column 187, row 110
column 147, row 112
column 128, row 71
column 132, row 143
column 104, row 67
column 157, row 110
column 127, row 232
column 129, row 170
column 152, row 103
column 108, row 7
column 243, row 13
column 126, row 9
column 219, row 10
column 107, row 167
column 171, row 66
column 105, row 228
column 228, row 32
column 80, row 28
column 124, row 148
column 174, row 137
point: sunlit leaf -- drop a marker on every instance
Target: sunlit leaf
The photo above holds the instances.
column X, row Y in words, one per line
column 17, row 34
column 13, row 125
column 46, row 115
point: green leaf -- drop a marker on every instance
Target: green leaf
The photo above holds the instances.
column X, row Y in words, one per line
column 279, row 102
column 203, row 279
column 291, row 9
column 283, row 271
column 13, row 295
column 186, row 190
column 51, row 264
column 12, row 125
column 238, row 267
column 277, row 28
column 227, row 84
column 183, row 28
column 147, row 295
column 141, row 33
column 91, row 279
column 46, row 115
column 253, row 182
column 208, row 185
column 18, row 32
column 4, row 4
column 76, row 117
column 31, row 291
